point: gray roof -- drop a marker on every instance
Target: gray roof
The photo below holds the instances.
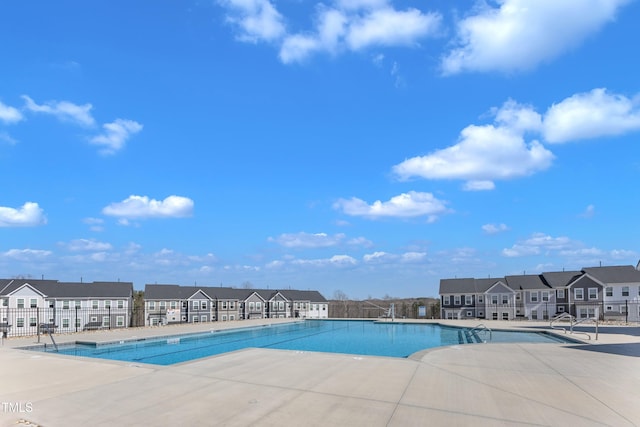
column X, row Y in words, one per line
column 614, row 274
column 455, row 286
column 55, row 289
column 483, row 285
column 560, row 279
column 526, row 282
column 168, row 292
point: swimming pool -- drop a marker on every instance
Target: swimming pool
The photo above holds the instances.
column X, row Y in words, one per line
column 359, row 337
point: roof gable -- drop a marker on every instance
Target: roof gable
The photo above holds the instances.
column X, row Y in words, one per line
column 499, row 288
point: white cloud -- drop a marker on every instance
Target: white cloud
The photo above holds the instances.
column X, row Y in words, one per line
column 520, row 34
column 63, row 110
column 29, row 215
column 538, row 243
column 88, row 245
column 390, row 27
column 381, row 257
column 588, row 212
column 406, row 205
column 96, row 224
column 347, row 25
column 25, row 254
column 307, row 240
column 335, row 261
column 5, row 137
column 494, row 228
column 143, row 207
column 485, row 153
column 589, row 115
column 258, row 20
column 9, row 114
column 116, row 134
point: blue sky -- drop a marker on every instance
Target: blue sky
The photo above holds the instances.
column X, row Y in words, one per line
column 367, row 146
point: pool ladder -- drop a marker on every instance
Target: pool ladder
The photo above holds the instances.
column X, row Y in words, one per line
column 572, row 322
column 480, row 328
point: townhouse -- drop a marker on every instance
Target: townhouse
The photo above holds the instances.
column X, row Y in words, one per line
column 29, row 306
column 606, row 293
column 165, row 304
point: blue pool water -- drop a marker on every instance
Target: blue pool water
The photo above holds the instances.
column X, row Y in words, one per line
column 342, row 336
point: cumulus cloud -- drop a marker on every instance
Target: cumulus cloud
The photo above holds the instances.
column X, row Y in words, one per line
column 25, row 254
column 5, row 137
column 335, row 261
column 406, row 205
column 590, row 115
column 9, row 114
column 257, row 20
column 519, row 34
column 116, row 134
column 485, row 153
column 588, row 212
column 346, row 25
column 307, row 240
column 494, row 228
column 29, row 215
column 88, row 245
column 539, row 243
column 381, row 257
column 143, row 207
column 63, row 111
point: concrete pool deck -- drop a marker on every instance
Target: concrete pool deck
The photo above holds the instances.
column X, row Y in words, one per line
column 590, row 383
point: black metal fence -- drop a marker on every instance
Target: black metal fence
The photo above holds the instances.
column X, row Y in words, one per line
column 38, row 320
column 627, row 311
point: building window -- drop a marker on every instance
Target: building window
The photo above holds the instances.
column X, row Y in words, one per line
column 5, row 302
column 224, row 305
column 224, row 317
column 152, row 305
column 505, row 299
column 281, row 305
column 173, row 305
column 232, row 317
column 120, row 321
column 20, row 322
column 481, row 313
column 445, row 300
column 195, row 305
column 65, row 323
column 625, row 291
column 560, row 309
column 107, row 303
column 94, row 304
column 480, row 299
column 469, row 313
column 203, row 318
column 203, row 305
column 232, row 305
column 259, row 306
column 534, row 296
column 578, row 293
column 252, row 306
column 560, row 293
column 195, row 319
column 593, row 293
column 623, row 309
column 534, row 314
column 78, row 304
column 163, row 305
column 33, row 303
column 105, row 321
column 609, row 308
column 32, row 322
column 505, row 316
column 20, row 302
column 120, row 303
column 609, row 291
column 545, row 296
column 494, row 300
column 467, row 300
column 456, row 300
column 65, row 304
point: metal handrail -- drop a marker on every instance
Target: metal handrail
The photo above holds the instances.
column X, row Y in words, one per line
column 482, row 327
column 572, row 322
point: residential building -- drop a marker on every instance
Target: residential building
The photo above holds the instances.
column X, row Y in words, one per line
column 29, row 306
column 166, row 304
column 611, row 293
